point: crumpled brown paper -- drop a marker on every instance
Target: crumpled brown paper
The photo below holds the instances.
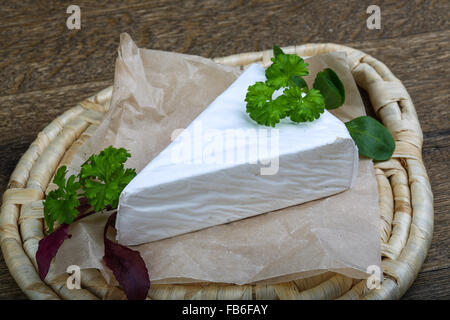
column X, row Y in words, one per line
column 156, row 92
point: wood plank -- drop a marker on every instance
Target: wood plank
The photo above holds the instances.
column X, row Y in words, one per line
column 400, row 18
column 44, row 53
column 432, row 285
column 24, row 115
column 436, row 154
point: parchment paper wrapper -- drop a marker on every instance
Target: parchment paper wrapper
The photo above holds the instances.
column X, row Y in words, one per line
column 156, row 92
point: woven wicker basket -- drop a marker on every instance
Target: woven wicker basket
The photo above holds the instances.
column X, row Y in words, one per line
column 405, row 200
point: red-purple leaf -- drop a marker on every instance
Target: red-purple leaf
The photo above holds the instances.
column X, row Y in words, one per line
column 49, row 246
column 82, row 208
column 127, row 266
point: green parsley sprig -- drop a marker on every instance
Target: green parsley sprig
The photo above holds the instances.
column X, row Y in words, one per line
column 302, row 104
column 297, row 101
column 61, row 204
column 101, row 180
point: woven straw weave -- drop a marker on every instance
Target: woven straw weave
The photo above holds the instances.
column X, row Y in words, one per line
column 405, row 199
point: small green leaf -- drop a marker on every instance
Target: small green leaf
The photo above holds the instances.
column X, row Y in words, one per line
column 331, row 87
column 277, row 50
column 299, row 82
column 371, row 137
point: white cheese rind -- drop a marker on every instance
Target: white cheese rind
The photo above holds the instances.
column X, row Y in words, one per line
column 166, row 199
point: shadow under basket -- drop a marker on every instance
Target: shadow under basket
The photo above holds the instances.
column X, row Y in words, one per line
column 405, row 199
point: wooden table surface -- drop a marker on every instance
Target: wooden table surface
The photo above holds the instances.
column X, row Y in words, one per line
column 45, row 68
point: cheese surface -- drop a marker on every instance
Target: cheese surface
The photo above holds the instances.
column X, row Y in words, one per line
column 224, row 167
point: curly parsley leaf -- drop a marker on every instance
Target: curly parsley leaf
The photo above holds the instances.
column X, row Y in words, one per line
column 61, row 204
column 103, row 177
column 262, row 108
column 304, row 106
column 258, row 95
column 283, row 68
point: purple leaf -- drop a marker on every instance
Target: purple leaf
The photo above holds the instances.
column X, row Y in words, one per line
column 127, row 266
column 82, row 208
column 49, row 246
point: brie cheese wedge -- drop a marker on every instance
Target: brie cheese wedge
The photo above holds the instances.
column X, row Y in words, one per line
column 224, row 167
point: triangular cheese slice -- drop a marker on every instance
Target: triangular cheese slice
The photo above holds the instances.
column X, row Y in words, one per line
column 224, row 167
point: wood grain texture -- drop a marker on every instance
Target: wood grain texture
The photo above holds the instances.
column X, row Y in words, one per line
column 46, row 68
